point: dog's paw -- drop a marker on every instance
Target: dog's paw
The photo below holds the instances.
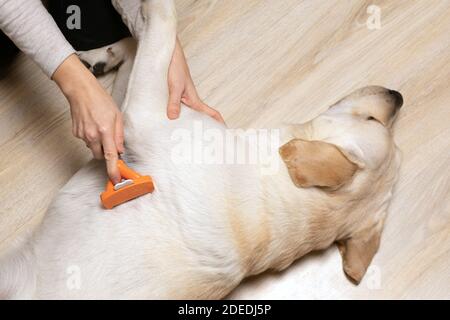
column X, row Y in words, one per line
column 102, row 60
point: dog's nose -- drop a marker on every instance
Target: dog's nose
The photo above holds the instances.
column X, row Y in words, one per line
column 99, row 68
column 398, row 98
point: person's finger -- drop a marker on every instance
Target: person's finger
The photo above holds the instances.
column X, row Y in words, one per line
column 119, row 133
column 96, row 148
column 192, row 100
column 173, row 107
column 78, row 131
column 92, row 139
column 111, row 156
column 218, row 116
column 213, row 113
column 203, row 107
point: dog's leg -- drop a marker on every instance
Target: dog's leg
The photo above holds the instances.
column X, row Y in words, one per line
column 102, row 60
column 147, row 92
column 120, row 85
column 120, row 56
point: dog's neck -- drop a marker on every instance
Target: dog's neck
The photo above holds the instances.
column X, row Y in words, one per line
column 278, row 222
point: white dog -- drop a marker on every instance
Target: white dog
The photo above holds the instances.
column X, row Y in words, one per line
column 209, row 225
column 120, row 56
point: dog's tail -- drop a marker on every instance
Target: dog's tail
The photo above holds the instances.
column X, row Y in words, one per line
column 17, row 271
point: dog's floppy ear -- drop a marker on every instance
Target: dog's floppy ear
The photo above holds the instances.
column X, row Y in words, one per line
column 357, row 252
column 316, row 164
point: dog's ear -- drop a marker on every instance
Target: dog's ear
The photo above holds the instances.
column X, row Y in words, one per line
column 316, row 164
column 358, row 250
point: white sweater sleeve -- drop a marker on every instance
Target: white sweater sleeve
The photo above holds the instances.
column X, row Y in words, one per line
column 28, row 24
column 130, row 10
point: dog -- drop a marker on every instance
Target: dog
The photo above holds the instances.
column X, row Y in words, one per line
column 118, row 56
column 207, row 226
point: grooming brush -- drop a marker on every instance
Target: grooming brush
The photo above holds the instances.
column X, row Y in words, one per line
column 133, row 185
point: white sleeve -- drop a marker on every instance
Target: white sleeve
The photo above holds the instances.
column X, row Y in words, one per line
column 130, row 11
column 29, row 25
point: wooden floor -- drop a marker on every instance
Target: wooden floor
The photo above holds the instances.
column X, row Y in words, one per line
column 265, row 61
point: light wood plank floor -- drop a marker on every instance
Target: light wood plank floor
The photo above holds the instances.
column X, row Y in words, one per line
column 265, row 61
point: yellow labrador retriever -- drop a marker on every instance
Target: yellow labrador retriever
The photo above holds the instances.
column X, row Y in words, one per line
column 209, row 224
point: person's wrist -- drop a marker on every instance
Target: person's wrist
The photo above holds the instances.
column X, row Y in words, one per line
column 72, row 77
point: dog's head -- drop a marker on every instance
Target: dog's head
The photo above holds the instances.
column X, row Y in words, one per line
column 349, row 154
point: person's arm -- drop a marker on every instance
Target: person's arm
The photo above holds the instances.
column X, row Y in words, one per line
column 181, row 86
column 28, row 24
column 95, row 117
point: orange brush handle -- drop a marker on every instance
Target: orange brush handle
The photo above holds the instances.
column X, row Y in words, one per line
column 141, row 185
column 125, row 173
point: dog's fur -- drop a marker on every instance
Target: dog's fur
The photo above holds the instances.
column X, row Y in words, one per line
column 206, row 227
column 120, row 56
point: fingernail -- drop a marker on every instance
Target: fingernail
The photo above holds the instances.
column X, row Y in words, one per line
column 173, row 115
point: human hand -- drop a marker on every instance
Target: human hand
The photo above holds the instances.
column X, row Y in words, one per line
column 95, row 117
column 182, row 88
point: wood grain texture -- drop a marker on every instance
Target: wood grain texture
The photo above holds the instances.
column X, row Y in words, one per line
column 261, row 62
